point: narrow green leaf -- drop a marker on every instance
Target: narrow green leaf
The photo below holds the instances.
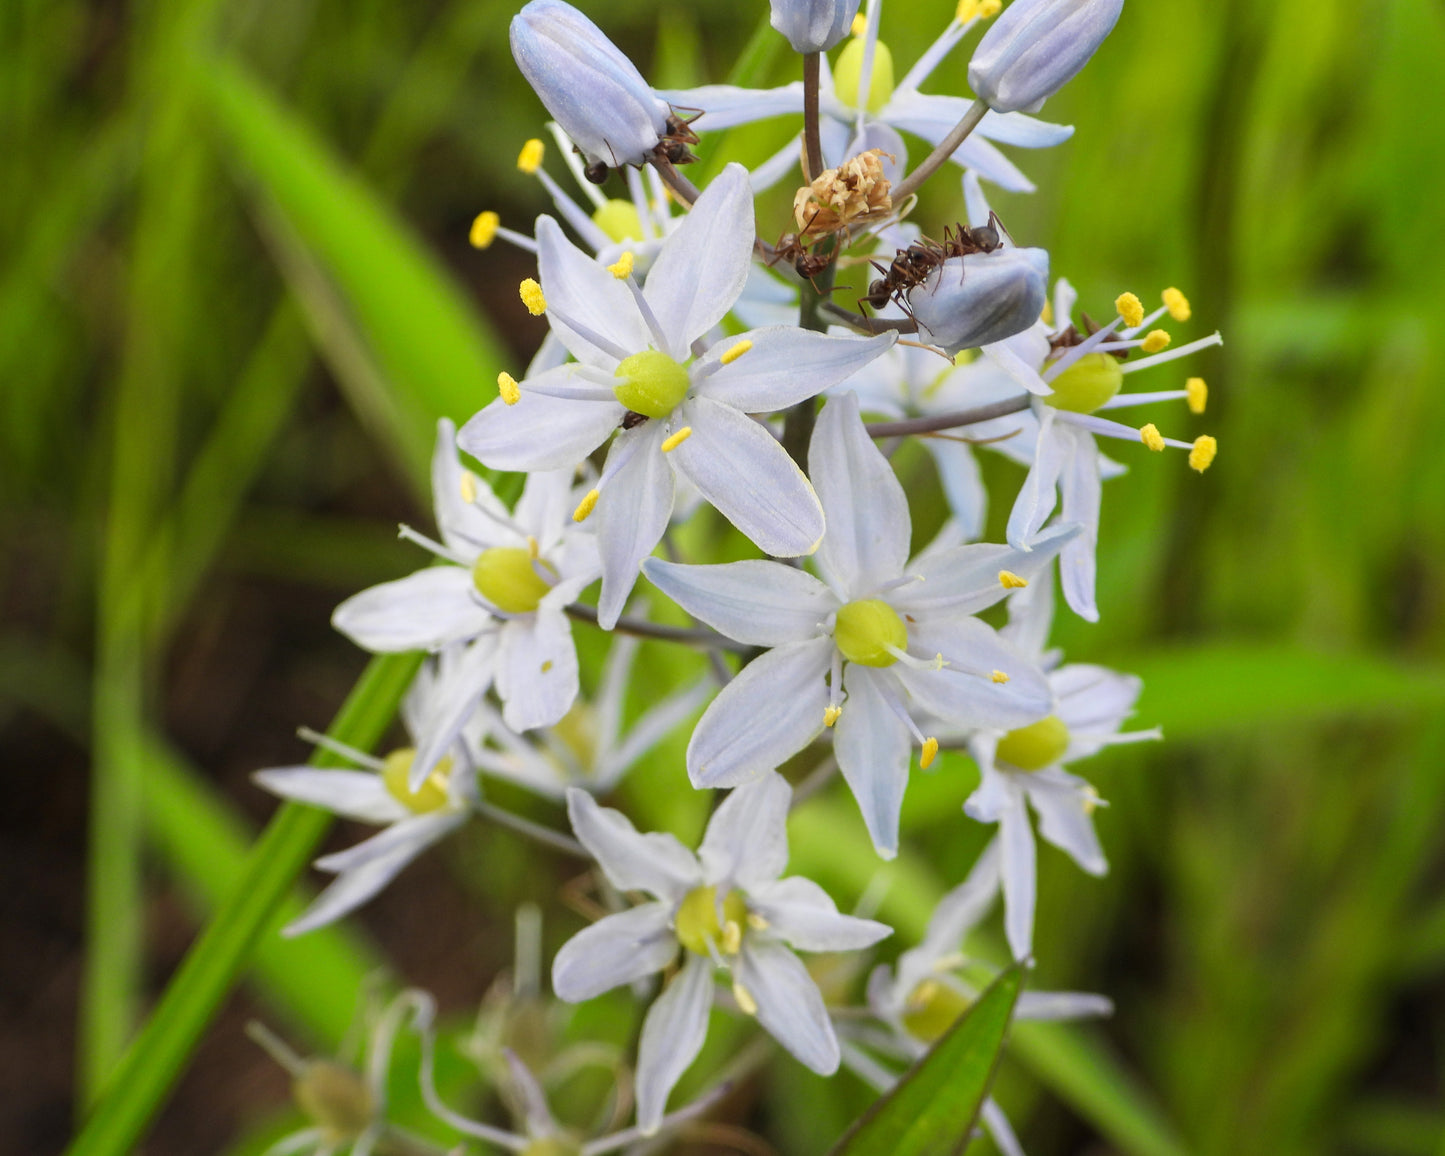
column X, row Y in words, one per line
column 932, row 1109
column 434, row 353
column 153, row 1063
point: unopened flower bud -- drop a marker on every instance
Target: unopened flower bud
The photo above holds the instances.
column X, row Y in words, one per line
column 591, row 89
column 981, row 298
column 1035, row 48
column 814, row 25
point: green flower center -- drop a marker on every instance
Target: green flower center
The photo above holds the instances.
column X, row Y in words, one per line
column 619, row 220
column 506, row 577
column 866, row 629
column 430, row 796
column 1087, row 384
column 848, row 75
column 652, row 383
column 1036, row 746
column 932, row 1009
column 697, row 924
column 336, row 1098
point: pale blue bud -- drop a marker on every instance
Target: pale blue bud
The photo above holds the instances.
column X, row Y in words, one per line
column 1035, row 48
column 591, row 89
column 814, row 25
column 981, row 298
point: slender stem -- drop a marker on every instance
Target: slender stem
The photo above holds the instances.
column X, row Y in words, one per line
column 869, row 325
column 812, row 300
column 946, row 148
column 703, row 638
column 684, row 189
column 543, row 835
column 942, row 421
column 812, row 139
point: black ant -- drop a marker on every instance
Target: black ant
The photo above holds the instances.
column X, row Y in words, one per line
column 792, row 247
column 675, row 147
column 909, row 268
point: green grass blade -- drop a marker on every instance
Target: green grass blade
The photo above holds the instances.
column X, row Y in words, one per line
column 434, row 354
column 932, row 1109
column 211, row 969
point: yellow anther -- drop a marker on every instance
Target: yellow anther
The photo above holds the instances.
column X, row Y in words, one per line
column 1155, row 340
column 1047, row 316
column 831, row 714
column 531, row 294
column 507, row 387
column 930, row 752
column 999, row 677
column 977, row 10
column 757, row 922
column 532, row 549
column 732, row 937
column 745, row 1000
column 1151, row 437
column 469, row 487
column 1177, row 304
column 1011, row 581
column 732, row 353
column 529, row 160
column 585, row 506
column 622, row 269
column 1091, row 800
column 859, row 25
column 1196, row 393
column 484, row 229
column 1201, row 457
column 1130, row 309
column 671, row 443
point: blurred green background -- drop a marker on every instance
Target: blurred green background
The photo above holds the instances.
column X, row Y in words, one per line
column 235, row 294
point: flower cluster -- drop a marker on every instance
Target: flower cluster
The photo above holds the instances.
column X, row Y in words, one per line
column 691, row 365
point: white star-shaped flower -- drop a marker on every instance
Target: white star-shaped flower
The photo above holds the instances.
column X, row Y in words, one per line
column 504, row 596
column 726, row 907
column 898, row 636
column 641, row 364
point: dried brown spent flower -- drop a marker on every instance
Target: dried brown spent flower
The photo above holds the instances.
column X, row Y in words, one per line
column 853, row 193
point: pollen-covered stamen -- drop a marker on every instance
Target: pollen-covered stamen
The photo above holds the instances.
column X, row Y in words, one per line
column 869, row 632
column 623, row 266
column 1154, row 341
column 671, row 442
column 1151, row 437
column 512, row 579
column 932, row 1008
column 746, row 1003
column 1011, row 581
column 834, row 710
column 998, row 677
column 507, row 387
column 1036, row 746
column 977, row 10
column 733, row 352
column 831, row 714
column 1172, row 354
column 1130, row 308
column 468, row 486
column 430, row 796
column 1113, row 429
column 622, row 453
column 586, row 506
column 1177, row 304
column 652, row 383
column 859, row 25
column 1201, row 455
column 701, row 918
column 929, row 753
column 532, row 297
column 1196, row 392
column 484, row 229
column 529, row 160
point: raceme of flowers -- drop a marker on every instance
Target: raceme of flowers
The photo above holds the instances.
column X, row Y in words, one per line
column 693, row 364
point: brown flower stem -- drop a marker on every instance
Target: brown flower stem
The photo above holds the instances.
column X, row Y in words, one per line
column 946, row 148
column 708, row 639
column 943, row 421
column 812, row 139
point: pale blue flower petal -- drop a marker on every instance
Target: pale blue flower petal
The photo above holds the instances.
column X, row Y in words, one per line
column 969, row 698
column 746, row 843
column 540, row 432
column 785, row 365
column 414, row 832
column 580, row 289
column 758, row 602
column 804, row 916
column 1039, row 493
column 934, row 117
column 656, row 863
column 615, row 950
column 767, row 714
column 464, row 526
column 632, row 514
column 1065, row 808
column 868, row 523
column 704, row 263
column 727, row 106
column 423, row 611
column 1020, row 885
column 459, row 689
column 962, row 483
column 352, row 889
column 740, row 468
column 872, row 746
column 672, row 1035
column 790, row 1006
column 1062, row 1005
column 1081, row 487
column 965, row 579
column 354, row 794
column 536, row 669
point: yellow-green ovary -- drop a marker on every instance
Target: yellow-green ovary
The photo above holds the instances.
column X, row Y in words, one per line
column 865, row 631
